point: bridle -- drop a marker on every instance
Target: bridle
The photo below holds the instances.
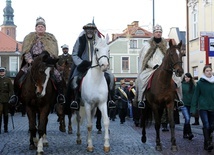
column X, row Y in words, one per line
column 171, row 64
column 98, row 58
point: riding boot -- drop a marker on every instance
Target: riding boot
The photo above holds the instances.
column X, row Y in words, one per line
column 75, row 87
column 20, row 77
column 76, row 102
column 5, row 123
column 207, row 140
column 60, row 97
column 111, row 89
column 142, row 104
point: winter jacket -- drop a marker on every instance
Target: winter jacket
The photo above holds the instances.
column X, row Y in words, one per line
column 203, row 97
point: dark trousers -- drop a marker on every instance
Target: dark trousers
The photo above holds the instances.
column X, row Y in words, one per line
column 122, row 114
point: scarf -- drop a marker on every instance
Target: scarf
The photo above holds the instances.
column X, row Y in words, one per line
column 210, row 80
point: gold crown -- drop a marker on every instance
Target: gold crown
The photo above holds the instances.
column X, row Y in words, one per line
column 157, row 28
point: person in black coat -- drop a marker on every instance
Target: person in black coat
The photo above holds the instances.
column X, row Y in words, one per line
column 121, row 95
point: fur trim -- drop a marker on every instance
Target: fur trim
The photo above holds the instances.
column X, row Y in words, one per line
column 153, row 46
column 48, row 40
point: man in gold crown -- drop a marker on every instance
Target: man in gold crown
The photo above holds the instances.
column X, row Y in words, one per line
column 33, row 45
column 151, row 56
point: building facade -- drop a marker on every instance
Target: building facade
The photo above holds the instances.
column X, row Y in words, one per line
column 9, row 48
column 201, row 35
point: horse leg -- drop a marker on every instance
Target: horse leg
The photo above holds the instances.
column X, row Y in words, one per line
column 104, row 113
column 98, row 122
column 157, row 117
column 78, row 118
column 158, row 142
column 143, row 123
column 61, row 116
column 32, row 128
column 70, row 130
column 90, row 147
column 43, row 119
column 172, row 128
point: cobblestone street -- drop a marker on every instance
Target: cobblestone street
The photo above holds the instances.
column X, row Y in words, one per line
column 125, row 139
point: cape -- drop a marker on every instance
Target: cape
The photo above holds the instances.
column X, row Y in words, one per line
column 48, row 40
column 153, row 46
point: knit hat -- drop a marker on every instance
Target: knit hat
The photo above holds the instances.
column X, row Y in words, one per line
column 40, row 21
column 157, row 28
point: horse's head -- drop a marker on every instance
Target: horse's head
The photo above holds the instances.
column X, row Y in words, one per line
column 175, row 55
column 101, row 53
column 40, row 72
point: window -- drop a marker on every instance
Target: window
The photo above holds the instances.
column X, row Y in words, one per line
column 125, row 63
column 111, row 63
column 133, row 43
column 195, row 73
column 14, row 63
column 195, row 25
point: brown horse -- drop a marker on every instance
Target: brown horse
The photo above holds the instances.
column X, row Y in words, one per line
column 161, row 94
column 39, row 94
column 65, row 109
column 60, row 108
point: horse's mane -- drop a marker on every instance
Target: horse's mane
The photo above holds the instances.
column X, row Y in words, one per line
column 100, row 43
column 38, row 63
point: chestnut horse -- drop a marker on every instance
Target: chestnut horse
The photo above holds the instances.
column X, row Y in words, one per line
column 39, row 94
column 160, row 94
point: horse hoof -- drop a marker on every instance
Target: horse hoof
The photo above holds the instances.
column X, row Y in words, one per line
column 158, row 148
column 99, row 132
column 90, row 149
column 70, row 132
column 106, row 149
column 32, row 147
column 79, row 142
column 143, row 139
column 174, row 148
column 39, row 153
column 45, row 144
column 62, row 129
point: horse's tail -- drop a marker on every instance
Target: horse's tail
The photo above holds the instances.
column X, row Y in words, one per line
column 147, row 115
column 80, row 113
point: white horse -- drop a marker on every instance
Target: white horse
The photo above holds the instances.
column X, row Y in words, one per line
column 94, row 90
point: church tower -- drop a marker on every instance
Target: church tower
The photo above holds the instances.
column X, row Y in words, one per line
column 8, row 26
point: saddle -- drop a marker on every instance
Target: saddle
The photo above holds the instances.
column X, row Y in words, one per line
column 150, row 82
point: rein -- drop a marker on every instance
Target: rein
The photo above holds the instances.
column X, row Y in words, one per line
column 172, row 69
column 98, row 59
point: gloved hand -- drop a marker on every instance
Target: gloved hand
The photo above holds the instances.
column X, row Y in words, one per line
column 156, row 66
column 51, row 61
column 83, row 67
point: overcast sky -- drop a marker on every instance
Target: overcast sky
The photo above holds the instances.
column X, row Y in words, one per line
column 65, row 18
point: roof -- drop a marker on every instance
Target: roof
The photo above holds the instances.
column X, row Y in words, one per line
column 8, row 44
column 133, row 31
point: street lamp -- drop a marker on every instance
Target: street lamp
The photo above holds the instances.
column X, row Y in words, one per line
column 17, row 60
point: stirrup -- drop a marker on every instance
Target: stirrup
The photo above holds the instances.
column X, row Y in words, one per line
column 179, row 103
column 13, row 100
column 74, row 105
column 111, row 104
column 62, row 100
column 141, row 105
